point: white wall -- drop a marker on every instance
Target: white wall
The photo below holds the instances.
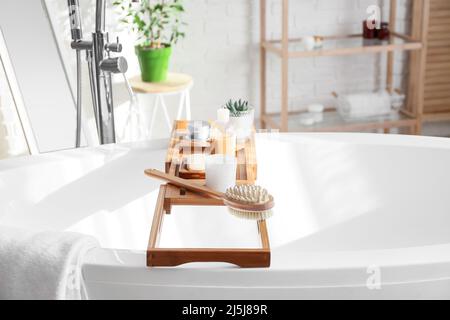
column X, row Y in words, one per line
column 40, row 74
column 12, row 140
column 221, row 50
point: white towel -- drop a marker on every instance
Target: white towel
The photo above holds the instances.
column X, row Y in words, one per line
column 364, row 104
column 43, row 266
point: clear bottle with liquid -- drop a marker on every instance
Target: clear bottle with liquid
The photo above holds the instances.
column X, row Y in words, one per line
column 224, row 133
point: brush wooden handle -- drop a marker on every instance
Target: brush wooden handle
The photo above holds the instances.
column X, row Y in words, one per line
column 183, row 183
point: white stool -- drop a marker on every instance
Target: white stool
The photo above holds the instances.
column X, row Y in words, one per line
column 176, row 84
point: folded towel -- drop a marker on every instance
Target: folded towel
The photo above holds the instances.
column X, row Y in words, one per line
column 43, row 265
column 364, row 104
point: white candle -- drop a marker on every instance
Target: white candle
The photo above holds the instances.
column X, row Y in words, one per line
column 223, row 115
column 220, row 172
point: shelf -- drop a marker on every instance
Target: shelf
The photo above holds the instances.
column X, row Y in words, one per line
column 333, row 122
column 343, row 46
column 436, row 116
column 348, row 45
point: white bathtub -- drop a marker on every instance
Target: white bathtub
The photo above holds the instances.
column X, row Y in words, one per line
column 357, row 216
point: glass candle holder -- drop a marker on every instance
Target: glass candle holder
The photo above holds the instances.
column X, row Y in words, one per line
column 226, row 144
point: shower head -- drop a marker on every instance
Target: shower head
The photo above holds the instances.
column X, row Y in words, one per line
column 75, row 20
column 101, row 67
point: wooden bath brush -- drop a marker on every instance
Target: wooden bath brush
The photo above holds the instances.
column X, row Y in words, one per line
column 246, row 201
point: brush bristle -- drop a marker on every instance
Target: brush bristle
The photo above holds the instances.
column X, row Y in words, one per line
column 251, row 215
column 249, row 194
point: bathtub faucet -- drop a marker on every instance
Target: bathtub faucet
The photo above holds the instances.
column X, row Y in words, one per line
column 101, row 66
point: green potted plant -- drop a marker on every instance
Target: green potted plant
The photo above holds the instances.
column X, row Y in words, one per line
column 242, row 117
column 157, row 24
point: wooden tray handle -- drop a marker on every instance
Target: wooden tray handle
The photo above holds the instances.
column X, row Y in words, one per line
column 183, row 183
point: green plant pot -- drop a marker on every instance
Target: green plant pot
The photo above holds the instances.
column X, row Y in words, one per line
column 154, row 63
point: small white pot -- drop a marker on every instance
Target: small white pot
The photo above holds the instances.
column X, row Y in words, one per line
column 243, row 124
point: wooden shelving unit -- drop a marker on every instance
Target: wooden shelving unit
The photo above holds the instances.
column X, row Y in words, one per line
column 435, row 95
column 287, row 48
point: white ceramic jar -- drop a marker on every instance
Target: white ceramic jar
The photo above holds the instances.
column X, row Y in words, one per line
column 243, row 124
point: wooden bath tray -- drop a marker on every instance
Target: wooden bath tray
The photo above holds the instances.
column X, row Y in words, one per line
column 179, row 146
column 170, row 196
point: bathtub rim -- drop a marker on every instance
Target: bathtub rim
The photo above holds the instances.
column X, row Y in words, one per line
column 156, row 144
column 407, row 259
column 315, row 270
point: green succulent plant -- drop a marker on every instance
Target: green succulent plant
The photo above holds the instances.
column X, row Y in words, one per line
column 237, row 108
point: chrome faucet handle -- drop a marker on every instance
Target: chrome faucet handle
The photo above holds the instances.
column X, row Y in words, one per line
column 81, row 45
column 114, row 65
column 114, row 47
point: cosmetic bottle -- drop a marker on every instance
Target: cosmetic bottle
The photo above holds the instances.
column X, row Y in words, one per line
column 384, row 33
column 224, row 133
column 369, row 32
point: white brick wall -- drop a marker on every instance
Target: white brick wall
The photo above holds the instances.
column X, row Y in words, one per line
column 221, row 50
